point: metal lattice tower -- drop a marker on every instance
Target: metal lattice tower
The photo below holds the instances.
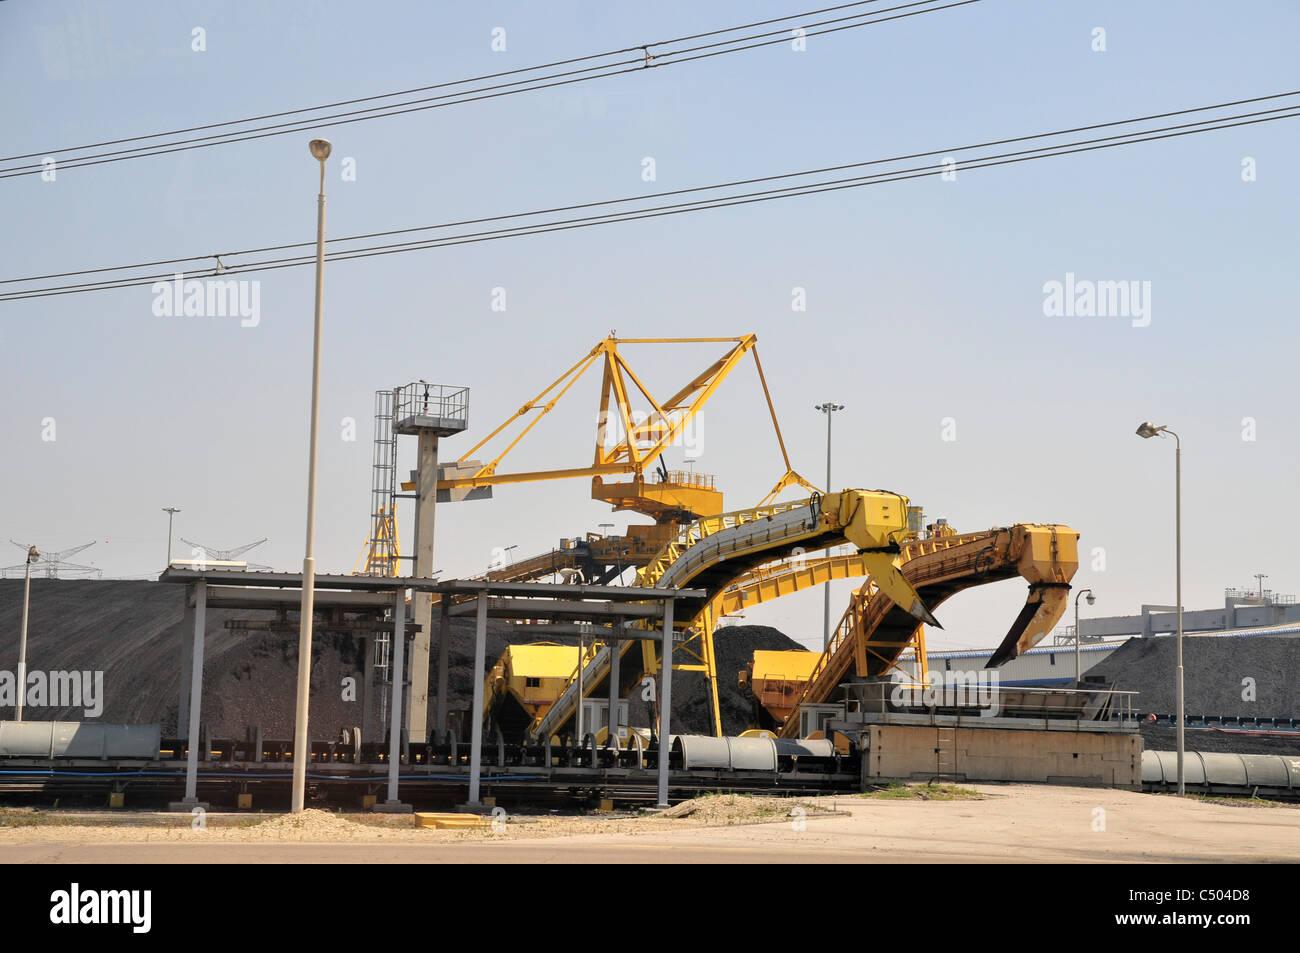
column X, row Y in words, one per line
column 54, row 565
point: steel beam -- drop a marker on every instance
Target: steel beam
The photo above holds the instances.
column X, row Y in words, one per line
column 611, row 719
column 187, row 663
column 235, row 597
column 464, row 587
column 476, row 709
column 511, row 608
column 196, row 697
column 397, row 662
column 666, row 704
column 602, row 633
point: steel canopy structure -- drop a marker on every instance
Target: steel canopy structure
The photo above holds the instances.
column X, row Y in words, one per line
column 559, row 604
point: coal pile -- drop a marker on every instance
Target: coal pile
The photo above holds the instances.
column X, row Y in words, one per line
column 733, row 649
column 1215, row 670
column 131, row 631
column 1253, row 676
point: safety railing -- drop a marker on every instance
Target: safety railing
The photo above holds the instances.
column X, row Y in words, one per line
column 441, row 401
column 691, row 478
column 962, row 693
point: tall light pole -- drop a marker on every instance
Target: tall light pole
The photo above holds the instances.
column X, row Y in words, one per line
column 1078, row 656
column 32, row 556
column 1148, row 430
column 320, row 150
column 171, row 512
column 828, row 409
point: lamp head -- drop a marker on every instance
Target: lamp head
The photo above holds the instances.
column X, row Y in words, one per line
column 1091, row 598
column 1148, row 429
column 320, row 148
column 33, row 554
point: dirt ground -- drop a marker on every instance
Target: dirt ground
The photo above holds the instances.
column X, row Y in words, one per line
column 1009, row 823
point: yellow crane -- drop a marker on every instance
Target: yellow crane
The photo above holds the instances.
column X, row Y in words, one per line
column 634, row 429
column 630, row 437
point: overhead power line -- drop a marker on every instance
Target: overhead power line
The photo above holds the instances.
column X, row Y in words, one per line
column 665, row 194
column 979, row 161
column 662, row 56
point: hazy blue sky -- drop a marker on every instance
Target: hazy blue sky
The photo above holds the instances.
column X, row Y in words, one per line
column 924, row 298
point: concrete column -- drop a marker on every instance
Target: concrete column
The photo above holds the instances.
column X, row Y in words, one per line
column 476, row 708
column 196, row 696
column 187, row 662
column 394, row 805
column 666, row 703
column 426, row 488
column 444, row 644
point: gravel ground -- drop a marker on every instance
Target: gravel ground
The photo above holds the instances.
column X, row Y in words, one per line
column 1014, row 823
column 19, row 826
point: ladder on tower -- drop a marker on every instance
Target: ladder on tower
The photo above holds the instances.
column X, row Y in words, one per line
column 383, row 550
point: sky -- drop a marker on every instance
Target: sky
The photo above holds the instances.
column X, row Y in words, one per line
column 924, row 300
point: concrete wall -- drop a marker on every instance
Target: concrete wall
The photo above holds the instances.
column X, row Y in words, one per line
column 920, row 752
column 1156, row 619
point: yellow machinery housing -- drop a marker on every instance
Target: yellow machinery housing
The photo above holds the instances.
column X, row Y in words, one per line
column 526, row 681
column 777, row 679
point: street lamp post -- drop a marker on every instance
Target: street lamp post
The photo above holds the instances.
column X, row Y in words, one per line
column 32, row 555
column 1078, row 656
column 171, row 512
column 1147, row 430
column 320, row 150
column 828, row 409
